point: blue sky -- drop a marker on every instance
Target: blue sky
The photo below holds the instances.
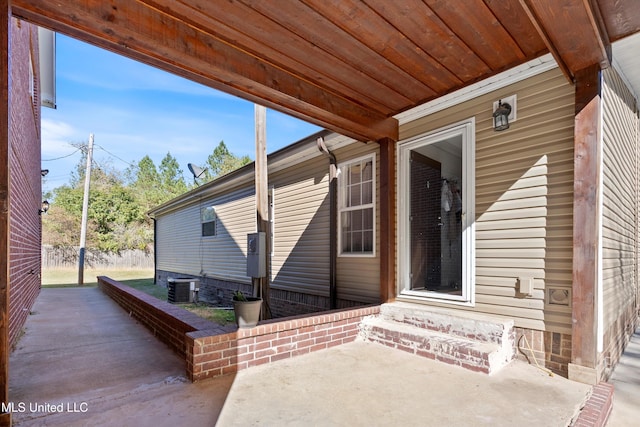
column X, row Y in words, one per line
column 135, row 110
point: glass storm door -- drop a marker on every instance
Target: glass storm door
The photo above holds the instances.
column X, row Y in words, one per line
column 436, row 231
column 426, row 222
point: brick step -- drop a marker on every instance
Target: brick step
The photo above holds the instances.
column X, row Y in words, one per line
column 467, row 325
column 468, row 353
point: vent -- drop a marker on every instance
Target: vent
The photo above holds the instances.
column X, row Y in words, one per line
column 559, row 297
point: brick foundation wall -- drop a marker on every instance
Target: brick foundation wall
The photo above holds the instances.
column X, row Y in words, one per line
column 25, row 192
column 552, row 350
column 283, row 303
column 212, row 290
column 169, row 323
column 214, row 355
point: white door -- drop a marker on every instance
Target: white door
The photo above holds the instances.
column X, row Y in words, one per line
column 436, row 193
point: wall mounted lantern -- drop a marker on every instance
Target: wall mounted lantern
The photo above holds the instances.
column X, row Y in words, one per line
column 44, row 208
column 501, row 116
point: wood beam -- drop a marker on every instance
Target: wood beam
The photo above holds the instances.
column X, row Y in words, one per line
column 620, row 19
column 261, row 285
column 5, row 103
column 586, row 211
column 246, row 27
column 537, row 24
column 387, row 195
column 587, row 43
column 159, row 39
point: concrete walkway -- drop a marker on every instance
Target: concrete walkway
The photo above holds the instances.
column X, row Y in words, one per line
column 83, row 354
column 626, row 383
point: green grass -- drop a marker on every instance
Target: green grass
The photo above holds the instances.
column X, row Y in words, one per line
column 218, row 315
column 213, row 314
column 147, row 286
column 65, row 277
column 138, row 279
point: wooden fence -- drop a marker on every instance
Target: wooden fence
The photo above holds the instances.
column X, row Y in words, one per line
column 67, row 257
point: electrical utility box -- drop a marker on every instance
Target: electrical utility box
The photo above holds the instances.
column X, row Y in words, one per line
column 256, row 256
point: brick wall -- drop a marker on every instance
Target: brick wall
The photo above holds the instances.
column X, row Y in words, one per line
column 168, row 322
column 597, row 408
column 211, row 350
column 213, row 355
column 25, row 192
column 551, row 350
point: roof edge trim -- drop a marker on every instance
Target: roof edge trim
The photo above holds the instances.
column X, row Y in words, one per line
column 498, row 81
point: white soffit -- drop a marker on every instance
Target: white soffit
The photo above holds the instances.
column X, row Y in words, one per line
column 626, row 59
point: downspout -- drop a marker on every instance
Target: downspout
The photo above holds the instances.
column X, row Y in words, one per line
column 155, row 251
column 333, row 217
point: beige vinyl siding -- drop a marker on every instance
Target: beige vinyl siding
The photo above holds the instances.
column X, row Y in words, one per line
column 225, row 254
column 181, row 247
column 524, row 198
column 620, row 198
column 300, row 259
column 300, row 253
column 358, row 277
column 175, row 233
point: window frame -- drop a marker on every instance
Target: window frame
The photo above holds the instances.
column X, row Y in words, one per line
column 467, row 130
column 342, row 174
column 208, row 221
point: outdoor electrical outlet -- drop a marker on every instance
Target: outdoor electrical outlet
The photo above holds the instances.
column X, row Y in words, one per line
column 526, row 285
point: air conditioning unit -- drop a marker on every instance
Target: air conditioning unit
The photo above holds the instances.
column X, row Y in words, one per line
column 181, row 290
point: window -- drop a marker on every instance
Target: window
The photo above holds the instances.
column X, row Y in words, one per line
column 209, row 220
column 356, row 216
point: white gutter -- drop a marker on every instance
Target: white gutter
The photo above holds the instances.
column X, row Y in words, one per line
column 47, row 59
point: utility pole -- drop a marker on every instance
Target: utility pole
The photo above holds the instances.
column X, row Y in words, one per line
column 85, row 211
column 261, row 284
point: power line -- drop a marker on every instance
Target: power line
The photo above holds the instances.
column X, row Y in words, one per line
column 63, row 157
column 111, row 154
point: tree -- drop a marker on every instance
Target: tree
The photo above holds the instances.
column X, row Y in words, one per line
column 145, row 181
column 117, row 217
column 154, row 186
column 171, row 178
column 222, row 161
column 114, row 215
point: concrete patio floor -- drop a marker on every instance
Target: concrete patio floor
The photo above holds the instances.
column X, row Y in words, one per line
column 626, row 383
column 83, row 354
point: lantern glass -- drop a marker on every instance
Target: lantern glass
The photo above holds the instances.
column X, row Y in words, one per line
column 44, row 207
column 501, row 117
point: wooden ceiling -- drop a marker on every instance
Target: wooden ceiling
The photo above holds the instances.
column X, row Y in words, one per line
column 347, row 65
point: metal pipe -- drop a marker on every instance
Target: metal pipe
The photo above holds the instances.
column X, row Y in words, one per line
column 333, row 219
column 155, row 251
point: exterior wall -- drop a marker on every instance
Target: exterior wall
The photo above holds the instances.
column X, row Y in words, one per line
column 182, row 249
column 359, row 277
column 300, row 253
column 549, row 349
column 524, row 197
column 619, row 216
column 25, row 192
column 300, row 260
